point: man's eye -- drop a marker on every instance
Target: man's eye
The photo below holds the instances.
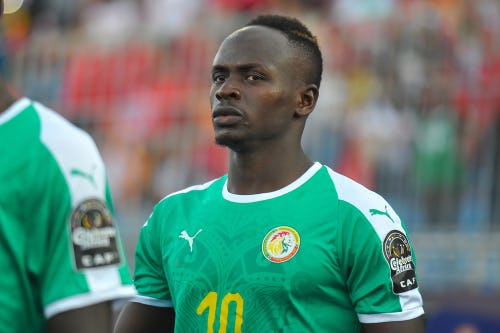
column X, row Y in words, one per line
column 254, row 77
column 218, row 78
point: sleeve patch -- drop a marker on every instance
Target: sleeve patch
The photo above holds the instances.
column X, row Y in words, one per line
column 93, row 236
column 397, row 252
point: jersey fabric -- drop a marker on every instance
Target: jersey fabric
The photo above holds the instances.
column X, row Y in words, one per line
column 322, row 254
column 59, row 246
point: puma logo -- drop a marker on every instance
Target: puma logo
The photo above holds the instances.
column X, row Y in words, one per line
column 190, row 239
column 379, row 212
column 86, row 175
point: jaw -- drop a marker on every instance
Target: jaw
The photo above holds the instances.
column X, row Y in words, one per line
column 227, row 139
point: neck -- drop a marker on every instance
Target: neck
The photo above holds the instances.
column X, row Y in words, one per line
column 256, row 172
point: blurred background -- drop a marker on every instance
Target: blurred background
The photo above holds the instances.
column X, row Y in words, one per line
column 409, row 106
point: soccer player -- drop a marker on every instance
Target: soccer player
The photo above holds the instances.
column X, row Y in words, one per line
column 281, row 243
column 62, row 262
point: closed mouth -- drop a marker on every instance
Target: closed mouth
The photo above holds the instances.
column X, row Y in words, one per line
column 225, row 112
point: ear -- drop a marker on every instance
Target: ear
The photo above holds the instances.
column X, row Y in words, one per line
column 307, row 97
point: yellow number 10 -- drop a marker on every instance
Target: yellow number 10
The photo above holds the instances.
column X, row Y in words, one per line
column 210, row 303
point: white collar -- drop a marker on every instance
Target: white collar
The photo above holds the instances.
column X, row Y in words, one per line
column 240, row 198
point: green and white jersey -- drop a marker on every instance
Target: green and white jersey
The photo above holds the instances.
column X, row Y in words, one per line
column 319, row 255
column 59, row 246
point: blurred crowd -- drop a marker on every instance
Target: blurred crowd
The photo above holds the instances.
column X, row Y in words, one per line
column 409, row 104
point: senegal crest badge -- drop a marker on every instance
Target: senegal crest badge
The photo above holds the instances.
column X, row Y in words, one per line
column 280, row 244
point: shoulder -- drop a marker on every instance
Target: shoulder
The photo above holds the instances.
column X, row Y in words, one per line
column 71, row 147
column 195, row 192
column 353, row 195
column 186, row 199
column 74, row 153
column 59, row 133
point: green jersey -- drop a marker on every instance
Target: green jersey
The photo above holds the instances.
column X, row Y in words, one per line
column 59, row 246
column 322, row 254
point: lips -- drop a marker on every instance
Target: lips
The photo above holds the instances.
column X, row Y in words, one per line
column 226, row 116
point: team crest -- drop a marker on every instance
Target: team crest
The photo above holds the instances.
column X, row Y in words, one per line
column 397, row 251
column 93, row 235
column 280, row 244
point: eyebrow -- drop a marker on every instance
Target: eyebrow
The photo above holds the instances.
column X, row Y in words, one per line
column 241, row 68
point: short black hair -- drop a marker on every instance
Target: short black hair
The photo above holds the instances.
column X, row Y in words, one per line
column 299, row 36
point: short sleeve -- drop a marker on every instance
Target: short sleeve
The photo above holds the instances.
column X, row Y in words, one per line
column 378, row 260
column 381, row 271
column 149, row 277
column 80, row 259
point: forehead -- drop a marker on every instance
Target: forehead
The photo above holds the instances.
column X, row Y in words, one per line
column 254, row 44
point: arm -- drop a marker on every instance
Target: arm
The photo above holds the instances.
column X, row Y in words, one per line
column 137, row 318
column 416, row 325
column 95, row 318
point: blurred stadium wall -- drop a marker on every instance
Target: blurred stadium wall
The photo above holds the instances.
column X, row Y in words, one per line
column 409, row 107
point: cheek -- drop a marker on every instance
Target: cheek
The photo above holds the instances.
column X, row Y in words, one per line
column 211, row 96
column 274, row 98
column 279, row 103
column 276, row 110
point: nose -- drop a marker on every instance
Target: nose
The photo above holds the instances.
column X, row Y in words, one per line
column 227, row 90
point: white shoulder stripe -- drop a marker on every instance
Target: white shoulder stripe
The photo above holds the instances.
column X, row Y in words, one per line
column 14, row 110
column 383, row 220
column 199, row 187
column 375, row 208
column 76, row 155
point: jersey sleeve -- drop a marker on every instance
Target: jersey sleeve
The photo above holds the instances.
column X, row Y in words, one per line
column 149, row 278
column 78, row 257
column 378, row 259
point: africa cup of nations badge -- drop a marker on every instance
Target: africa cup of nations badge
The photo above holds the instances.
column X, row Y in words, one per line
column 93, row 235
column 280, row 244
column 397, row 252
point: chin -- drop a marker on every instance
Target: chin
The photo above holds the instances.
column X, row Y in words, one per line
column 224, row 140
column 230, row 142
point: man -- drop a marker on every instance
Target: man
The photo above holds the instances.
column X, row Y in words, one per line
column 61, row 258
column 280, row 243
